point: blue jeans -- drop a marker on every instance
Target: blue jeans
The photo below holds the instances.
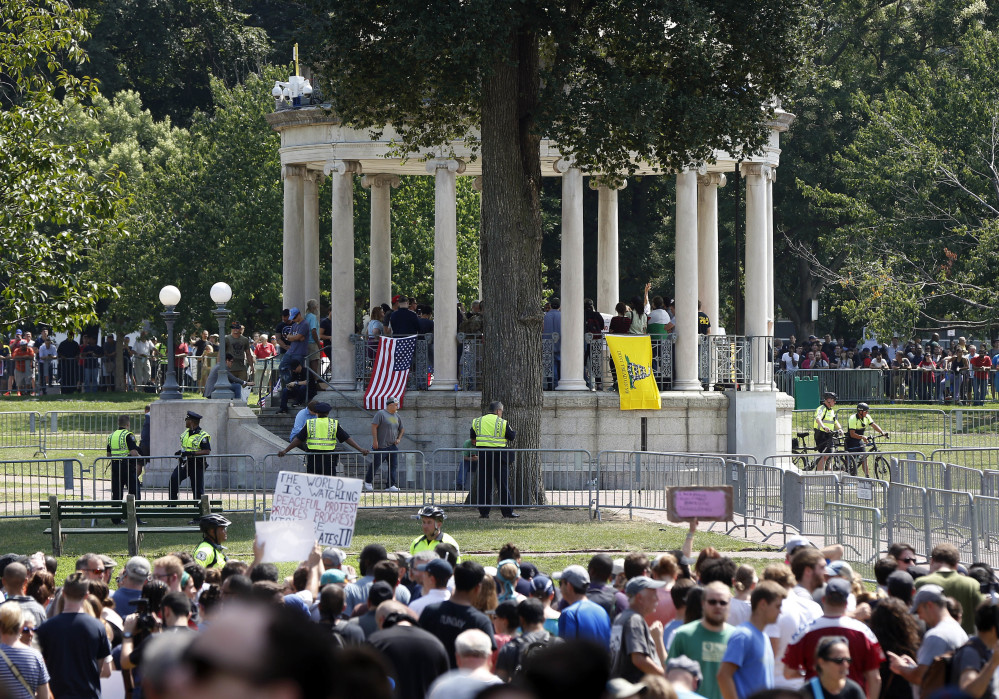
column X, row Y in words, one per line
column 980, row 387
column 378, row 457
column 91, row 379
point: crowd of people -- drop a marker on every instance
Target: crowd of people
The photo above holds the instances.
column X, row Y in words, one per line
column 962, row 373
column 428, row 622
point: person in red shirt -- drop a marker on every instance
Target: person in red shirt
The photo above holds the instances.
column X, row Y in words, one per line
column 24, row 374
column 264, row 349
column 982, row 364
column 865, row 670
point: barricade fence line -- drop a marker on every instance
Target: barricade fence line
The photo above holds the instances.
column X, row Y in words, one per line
column 22, row 430
column 28, row 482
column 858, row 529
column 638, row 480
column 987, row 514
column 80, row 431
column 981, row 458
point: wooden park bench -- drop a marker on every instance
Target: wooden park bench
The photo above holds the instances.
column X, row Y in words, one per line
column 129, row 511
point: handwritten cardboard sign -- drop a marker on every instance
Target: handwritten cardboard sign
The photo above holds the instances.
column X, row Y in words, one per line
column 329, row 502
column 705, row 503
column 285, row 540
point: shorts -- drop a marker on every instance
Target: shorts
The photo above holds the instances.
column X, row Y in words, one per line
column 313, row 348
column 22, row 378
column 823, row 441
column 855, row 445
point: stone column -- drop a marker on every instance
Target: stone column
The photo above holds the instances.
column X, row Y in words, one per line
column 755, row 175
column 445, row 272
column 292, row 287
column 608, row 276
column 341, row 174
column 310, row 226
column 771, row 305
column 477, row 186
column 380, row 276
column 707, row 243
column 685, row 359
column 571, row 336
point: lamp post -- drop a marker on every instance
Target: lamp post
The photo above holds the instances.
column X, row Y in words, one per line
column 221, row 293
column 170, row 297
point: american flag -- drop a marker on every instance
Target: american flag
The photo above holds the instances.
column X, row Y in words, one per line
column 390, row 372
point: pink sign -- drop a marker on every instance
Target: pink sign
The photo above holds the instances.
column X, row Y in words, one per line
column 704, row 504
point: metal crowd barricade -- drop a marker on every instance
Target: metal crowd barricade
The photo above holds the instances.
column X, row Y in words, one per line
column 987, row 522
column 979, row 458
column 22, row 431
column 990, row 483
column 547, row 478
column 862, row 492
column 858, row 529
column 952, row 520
column 925, row 474
column 764, row 497
column 236, row 479
column 963, row 478
column 976, row 427
column 79, row 431
column 638, row 479
column 470, row 363
column 908, row 517
column 805, row 498
column 907, row 426
column 26, row 483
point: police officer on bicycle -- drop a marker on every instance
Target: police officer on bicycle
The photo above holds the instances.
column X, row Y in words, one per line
column 856, row 425
column 826, row 425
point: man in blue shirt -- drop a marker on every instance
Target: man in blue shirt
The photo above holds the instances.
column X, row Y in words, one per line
column 582, row 618
column 748, row 664
column 304, row 415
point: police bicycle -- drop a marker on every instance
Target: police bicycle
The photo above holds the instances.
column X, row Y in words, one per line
column 808, row 455
column 877, row 465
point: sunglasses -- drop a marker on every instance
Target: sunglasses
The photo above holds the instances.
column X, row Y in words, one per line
column 28, row 629
column 713, row 602
column 839, row 661
column 204, row 668
column 95, row 570
column 908, row 560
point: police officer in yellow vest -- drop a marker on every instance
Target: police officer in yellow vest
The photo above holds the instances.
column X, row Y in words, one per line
column 320, row 437
column 856, row 425
column 195, row 445
column 432, row 523
column 124, row 471
column 210, row 552
column 491, row 434
column 825, row 421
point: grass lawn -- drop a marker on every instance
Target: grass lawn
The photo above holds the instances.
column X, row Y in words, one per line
column 552, row 539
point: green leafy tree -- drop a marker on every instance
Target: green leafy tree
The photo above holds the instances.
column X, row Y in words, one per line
column 664, row 81
column 55, row 212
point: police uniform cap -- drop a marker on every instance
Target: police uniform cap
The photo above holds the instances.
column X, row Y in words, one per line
column 323, row 407
column 193, row 415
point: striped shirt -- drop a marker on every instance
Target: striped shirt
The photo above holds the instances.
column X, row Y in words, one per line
column 29, row 662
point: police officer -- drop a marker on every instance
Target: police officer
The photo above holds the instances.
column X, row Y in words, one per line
column 491, row 434
column 121, row 445
column 432, row 523
column 195, row 445
column 825, row 421
column 320, row 437
column 210, row 552
column 856, row 425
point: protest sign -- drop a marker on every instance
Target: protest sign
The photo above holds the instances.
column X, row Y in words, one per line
column 329, row 502
column 285, row 540
column 704, row 503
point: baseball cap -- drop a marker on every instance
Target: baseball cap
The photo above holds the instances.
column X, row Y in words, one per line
column 137, row 568
column 642, row 582
column 390, row 399
column 108, row 562
column 333, row 575
column 928, row 593
column 237, row 326
column 795, row 543
column 297, row 603
column 380, row 592
column 618, row 566
column 293, row 312
column 528, row 571
column 620, row 688
column 900, row 584
column 334, row 557
column 396, row 298
column 437, row 567
column 840, row 569
column 576, row 576
column 542, row 585
column 682, row 662
column 838, row 590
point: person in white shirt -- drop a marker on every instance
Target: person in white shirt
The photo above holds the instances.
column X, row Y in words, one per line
column 141, row 353
column 790, row 360
column 436, row 573
column 472, row 652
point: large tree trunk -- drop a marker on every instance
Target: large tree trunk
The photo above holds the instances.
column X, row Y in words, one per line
column 511, row 253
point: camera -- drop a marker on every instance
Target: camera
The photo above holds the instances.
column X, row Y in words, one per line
column 145, row 621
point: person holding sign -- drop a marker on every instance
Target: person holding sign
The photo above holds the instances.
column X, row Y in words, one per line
column 320, row 437
column 210, row 552
column 492, row 434
column 195, row 445
column 432, row 523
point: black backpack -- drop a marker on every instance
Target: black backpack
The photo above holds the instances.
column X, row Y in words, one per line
column 527, row 649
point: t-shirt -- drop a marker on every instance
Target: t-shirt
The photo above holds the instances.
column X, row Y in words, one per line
column 793, row 622
column 586, row 620
column 388, row 427
column 942, row 638
column 703, row 323
column 124, row 600
column 73, row 646
column 460, row 684
column 446, row 620
column 404, row 322
column 326, row 328
column 29, row 663
column 750, row 649
column 739, row 611
column 630, row 634
column 30, row 607
column 612, row 600
column 864, row 647
column 851, row 690
column 707, row 648
column 299, row 348
column 973, row 656
column 237, row 346
column 965, row 590
column 357, row 592
column 415, row 658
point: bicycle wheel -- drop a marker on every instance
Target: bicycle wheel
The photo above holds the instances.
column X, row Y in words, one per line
column 882, row 469
column 804, row 463
column 841, row 463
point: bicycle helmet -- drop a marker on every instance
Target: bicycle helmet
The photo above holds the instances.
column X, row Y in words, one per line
column 431, row 511
column 863, row 406
column 213, row 520
column 828, row 394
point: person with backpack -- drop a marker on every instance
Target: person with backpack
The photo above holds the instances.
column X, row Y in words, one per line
column 513, row 656
column 975, row 666
column 944, row 635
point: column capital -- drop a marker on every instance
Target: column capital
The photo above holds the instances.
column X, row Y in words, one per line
column 314, row 176
column 755, row 170
column 562, row 165
column 293, row 171
column 712, row 179
column 451, row 164
column 380, row 180
column 600, row 182
column 342, row 167
column 477, row 183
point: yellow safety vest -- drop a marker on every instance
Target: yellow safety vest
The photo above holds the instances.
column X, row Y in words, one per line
column 191, row 441
column 118, row 442
column 209, row 555
column 825, row 418
column 321, row 434
column 858, row 425
column 490, row 431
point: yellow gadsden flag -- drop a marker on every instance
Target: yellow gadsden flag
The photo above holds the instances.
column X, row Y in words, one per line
column 632, row 357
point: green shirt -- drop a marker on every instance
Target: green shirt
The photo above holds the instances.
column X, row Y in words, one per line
column 962, row 588
column 707, row 648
